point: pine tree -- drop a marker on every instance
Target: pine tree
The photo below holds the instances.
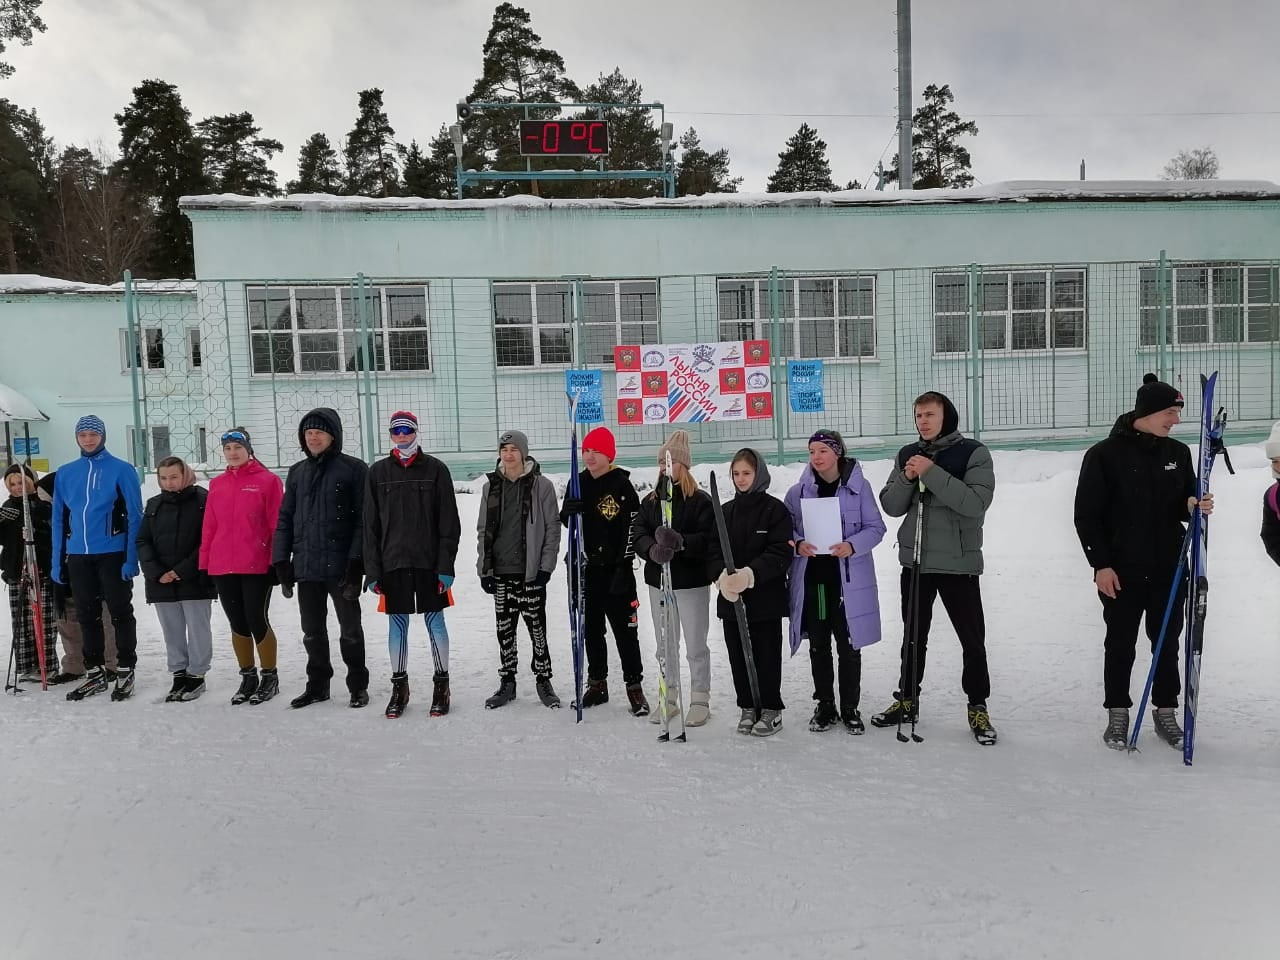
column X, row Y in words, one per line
column 700, row 172
column 98, row 230
column 24, row 195
column 161, row 162
column 236, row 159
column 431, row 175
column 802, row 165
column 937, row 158
column 371, row 153
column 18, row 21
column 1198, row 164
column 517, row 69
column 634, row 142
column 318, row 169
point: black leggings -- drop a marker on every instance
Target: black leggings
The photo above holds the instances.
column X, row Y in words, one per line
column 245, row 599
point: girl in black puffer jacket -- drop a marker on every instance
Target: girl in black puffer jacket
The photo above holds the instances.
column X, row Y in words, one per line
column 12, row 560
column 169, row 554
column 760, row 536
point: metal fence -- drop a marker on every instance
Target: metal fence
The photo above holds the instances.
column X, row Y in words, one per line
column 1031, row 354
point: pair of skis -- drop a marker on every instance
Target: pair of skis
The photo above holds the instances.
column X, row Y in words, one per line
column 576, row 563
column 1193, row 562
column 35, row 595
column 667, row 618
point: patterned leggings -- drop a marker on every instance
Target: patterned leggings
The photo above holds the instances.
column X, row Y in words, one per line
column 398, row 641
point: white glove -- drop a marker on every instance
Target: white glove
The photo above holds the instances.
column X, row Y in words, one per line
column 731, row 585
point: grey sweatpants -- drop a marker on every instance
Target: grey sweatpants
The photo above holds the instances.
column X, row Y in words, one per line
column 188, row 636
column 693, row 608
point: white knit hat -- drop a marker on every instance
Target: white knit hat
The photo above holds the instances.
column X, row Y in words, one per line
column 1272, row 446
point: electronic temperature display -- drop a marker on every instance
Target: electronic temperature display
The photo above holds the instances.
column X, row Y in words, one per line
column 564, row 138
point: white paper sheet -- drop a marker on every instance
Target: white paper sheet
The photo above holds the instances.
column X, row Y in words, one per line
column 821, row 518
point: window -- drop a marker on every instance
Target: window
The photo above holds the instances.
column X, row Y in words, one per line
column 1211, row 304
column 193, row 347
column 1018, row 311
column 819, row 316
column 319, row 329
column 150, row 343
column 533, row 322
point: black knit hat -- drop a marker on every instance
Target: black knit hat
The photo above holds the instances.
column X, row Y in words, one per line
column 1154, row 396
column 313, row 421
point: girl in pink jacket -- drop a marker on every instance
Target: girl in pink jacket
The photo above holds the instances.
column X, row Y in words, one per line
column 235, row 549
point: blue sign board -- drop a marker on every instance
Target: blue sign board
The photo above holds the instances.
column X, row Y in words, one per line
column 20, row 446
column 804, row 378
column 588, row 386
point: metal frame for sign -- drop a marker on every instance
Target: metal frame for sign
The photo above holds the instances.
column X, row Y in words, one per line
column 667, row 174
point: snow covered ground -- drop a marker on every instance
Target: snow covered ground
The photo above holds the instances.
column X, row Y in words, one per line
column 148, row 829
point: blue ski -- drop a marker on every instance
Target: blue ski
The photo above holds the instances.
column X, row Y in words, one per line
column 574, row 563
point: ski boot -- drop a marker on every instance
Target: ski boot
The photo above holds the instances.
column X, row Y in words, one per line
column 179, row 684
column 980, row 724
column 268, row 687
column 95, row 681
column 1166, row 724
column 124, row 685
column 770, row 722
column 900, row 711
column 505, row 693
column 193, row 687
column 399, row 695
column 440, row 694
column 546, row 693
column 824, row 717
column 1116, row 736
column 248, row 685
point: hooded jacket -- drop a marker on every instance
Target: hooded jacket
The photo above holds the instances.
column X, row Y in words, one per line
column 320, row 527
column 1131, row 501
column 862, row 528
column 97, row 509
column 538, row 519
column 240, row 518
column 759, row 527
column 957, row 490
column 172, row 527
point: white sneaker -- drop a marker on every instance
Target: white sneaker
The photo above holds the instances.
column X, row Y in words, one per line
column 770, row 722
column 699, row 709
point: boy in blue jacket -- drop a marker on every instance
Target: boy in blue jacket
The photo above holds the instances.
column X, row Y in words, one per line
column 97, row 511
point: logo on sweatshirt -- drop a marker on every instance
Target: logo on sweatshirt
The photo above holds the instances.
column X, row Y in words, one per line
column 608, row 507
column 1171, row 466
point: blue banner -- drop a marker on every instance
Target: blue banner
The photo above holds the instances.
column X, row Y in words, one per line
column 587, row 385
column 20, row 447
column 804, row 379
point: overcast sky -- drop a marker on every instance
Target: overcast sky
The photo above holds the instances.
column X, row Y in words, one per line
column 1121, row 83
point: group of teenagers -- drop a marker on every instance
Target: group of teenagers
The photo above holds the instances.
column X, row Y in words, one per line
column 337, row 527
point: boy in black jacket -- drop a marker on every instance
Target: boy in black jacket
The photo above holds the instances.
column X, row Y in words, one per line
column 169, row 555
column 608, row 504
column 1271, row 499
column 1136, row 491
column 12, row 563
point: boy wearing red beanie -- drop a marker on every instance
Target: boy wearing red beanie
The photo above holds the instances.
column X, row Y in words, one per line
column 608, row 504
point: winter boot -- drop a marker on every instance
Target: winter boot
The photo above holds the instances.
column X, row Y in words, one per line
column 597, row 692
column 399, row 695
column 124, row 685
column 547, row 693
column 699, row 711
column 770, row 722
column 980, row 724
column 747, row 720
column 635, row 696
column 95, row 681
column 505, row 693
column 824, row 717
column 901, row 710
column 1166, row 724
column 440, row 695
column 179, row 684
column 309, row 696
column 1116, row 736
column 268, row 687
column 852, row 721
column 192, row 689
column 248, row 685
column 359, row 698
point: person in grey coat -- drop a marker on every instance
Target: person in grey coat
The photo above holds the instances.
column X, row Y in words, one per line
column 953, row 480
column 518, row 539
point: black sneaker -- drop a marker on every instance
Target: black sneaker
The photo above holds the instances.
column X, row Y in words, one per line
column 268, row 687
column 307, row 697
column 901, row 710
column 399, row 695
column 852, row 721
column 505, row 693
column 95, row 681
column 824, row 716
column 635, row 696
column 440, row 694
column 359, row 698
column 248, row 685
column 179, row 684
column 547, row 693
column 980, row 724
column 193, row 687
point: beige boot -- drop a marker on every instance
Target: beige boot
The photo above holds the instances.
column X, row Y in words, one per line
column 699, row 711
